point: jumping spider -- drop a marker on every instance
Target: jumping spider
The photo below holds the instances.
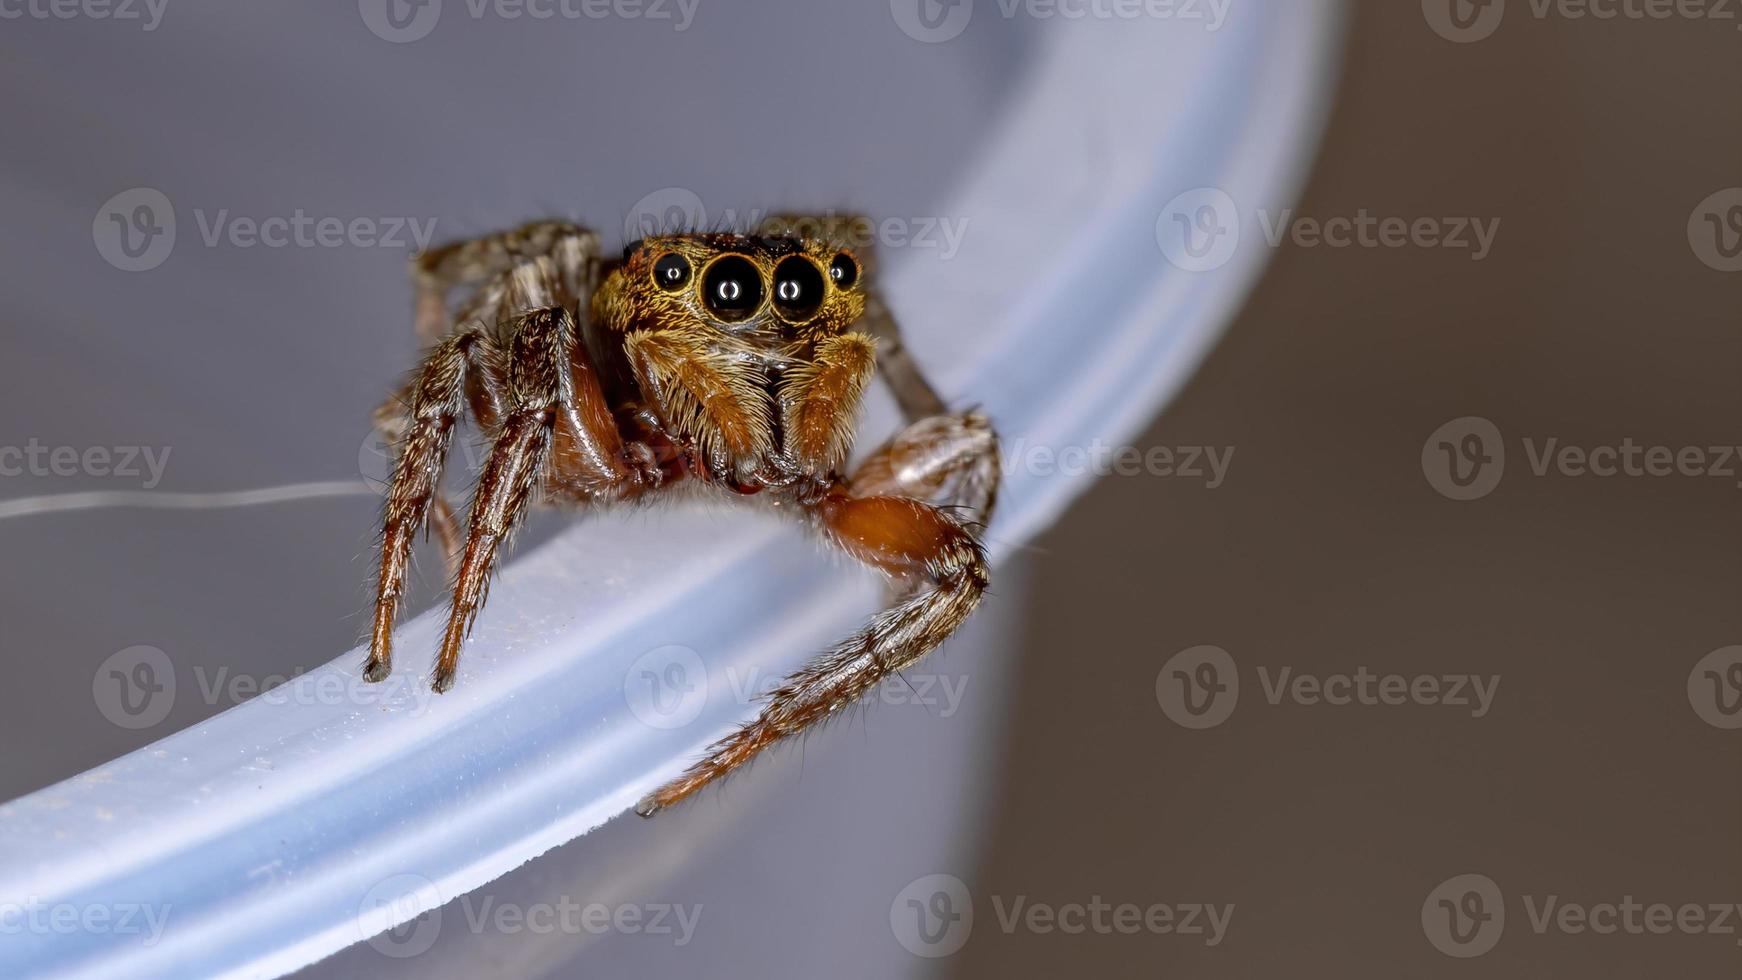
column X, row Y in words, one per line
column 733, row 362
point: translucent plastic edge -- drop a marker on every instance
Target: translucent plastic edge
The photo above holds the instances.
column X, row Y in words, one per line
column 303, row 821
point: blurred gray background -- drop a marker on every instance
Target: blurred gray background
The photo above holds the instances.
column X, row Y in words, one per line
column 1327, row 549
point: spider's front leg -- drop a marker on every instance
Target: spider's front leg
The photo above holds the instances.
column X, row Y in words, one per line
column 477, row 261
column 947, row 458
column 555, row 413
column 421, row 425
column 905, row 538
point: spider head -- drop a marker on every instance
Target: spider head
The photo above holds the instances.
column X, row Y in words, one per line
column 782, row 287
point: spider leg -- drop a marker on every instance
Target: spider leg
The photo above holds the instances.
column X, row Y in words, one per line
column 902, row 537
column 556, row 432
column 421, row 424
column 472, row 261
column 538, row 382
column 947, row 460
column 896, row 365
column 392, row 422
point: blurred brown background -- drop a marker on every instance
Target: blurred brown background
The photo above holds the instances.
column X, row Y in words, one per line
column 1592, row 778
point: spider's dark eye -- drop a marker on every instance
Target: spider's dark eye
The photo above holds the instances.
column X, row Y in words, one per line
column 844, row 271
column 672, row 272
column 798, row 287
column 732, row 288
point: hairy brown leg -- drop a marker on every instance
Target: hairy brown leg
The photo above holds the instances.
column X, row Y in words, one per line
column 896, row 366
column 424, row 425
column 472, row 261
column 538, row 383
column 948, row 460
column 392, row 422
column 540, row 401
column 903, row 537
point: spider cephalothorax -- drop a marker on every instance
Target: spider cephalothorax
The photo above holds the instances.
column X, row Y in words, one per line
column 734, row 361
column 745, row 346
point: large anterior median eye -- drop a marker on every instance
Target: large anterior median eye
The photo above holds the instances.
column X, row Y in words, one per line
column 671, row 272
column 732, row 288
column 798, row 287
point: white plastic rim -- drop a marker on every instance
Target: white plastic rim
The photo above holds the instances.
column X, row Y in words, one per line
column 303, row 821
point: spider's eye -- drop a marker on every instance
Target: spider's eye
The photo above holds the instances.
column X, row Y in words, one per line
column 798, row 287
column 732, row 289
column 671, row 272
column 844, row 271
